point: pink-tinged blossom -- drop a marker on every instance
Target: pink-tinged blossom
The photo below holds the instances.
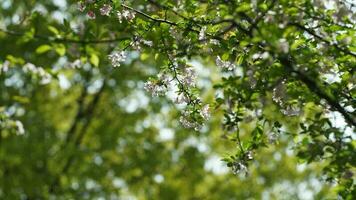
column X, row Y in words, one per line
column 91, row 14
column 81, row 6
column 105, row 10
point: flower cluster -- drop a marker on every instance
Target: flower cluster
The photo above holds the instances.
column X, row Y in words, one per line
column 239, row 162
column 125, row 14
column 155, row 88
column 137, row 42
column 39, row 71
column 81, row 6
column 272, row 138
column 224, row 64
column 91, row 14
column 76, row 64
column 188, row 77
column 283, row 45
column 4, row 67
column 190, row 119
column 181, row 98
column 202, row 33
column 279, row 96
column 205, row 112
column 6, row 123
column 183, row 79
column 188, row 122
column 117, row 57
column 105, row 10
column 238, row 166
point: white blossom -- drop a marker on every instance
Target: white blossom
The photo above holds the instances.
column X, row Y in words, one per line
column 205, row 112
column 249, row 155
column 76, row 64
column 19, row 127
column 262, row 56
column 202, row 34
column 214, row 42
column 283, row 45
column 189, row 123
column 272, row 138
column 4, row 67
column 279, row 93
column 270, row 16
column 105, row 10
column 181, row 98
column 125, row 14
column 224, row 64
column 164, row 78
column 116, row 57
column 238, row 167
column 188, row 77
column 81, row 6
column 155, row 89
column 291, row 111
column 46, row 78
column 39, row 71
column 147, row 42
column 136, row 44
column 29, row 67
column 265, row 55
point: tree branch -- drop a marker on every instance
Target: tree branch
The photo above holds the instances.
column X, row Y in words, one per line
column 88, row 114
column 313, row 86
column 65, row 40
column 311, row 32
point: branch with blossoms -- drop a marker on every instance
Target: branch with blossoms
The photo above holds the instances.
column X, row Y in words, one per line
column 231, row 31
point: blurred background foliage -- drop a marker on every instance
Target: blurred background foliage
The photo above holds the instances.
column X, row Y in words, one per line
column 93, row 132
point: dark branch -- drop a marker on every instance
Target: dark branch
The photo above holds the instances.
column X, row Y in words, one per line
column 311, row 32
column 65, row 40
column 313, row 86
column 88, row 115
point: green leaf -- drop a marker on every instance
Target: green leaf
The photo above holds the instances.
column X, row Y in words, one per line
column 240, row 60
column 60, row 49
column 94, row 59
column 243, row 7
column 43, row 49
column 144, row 56
column 53, row 29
